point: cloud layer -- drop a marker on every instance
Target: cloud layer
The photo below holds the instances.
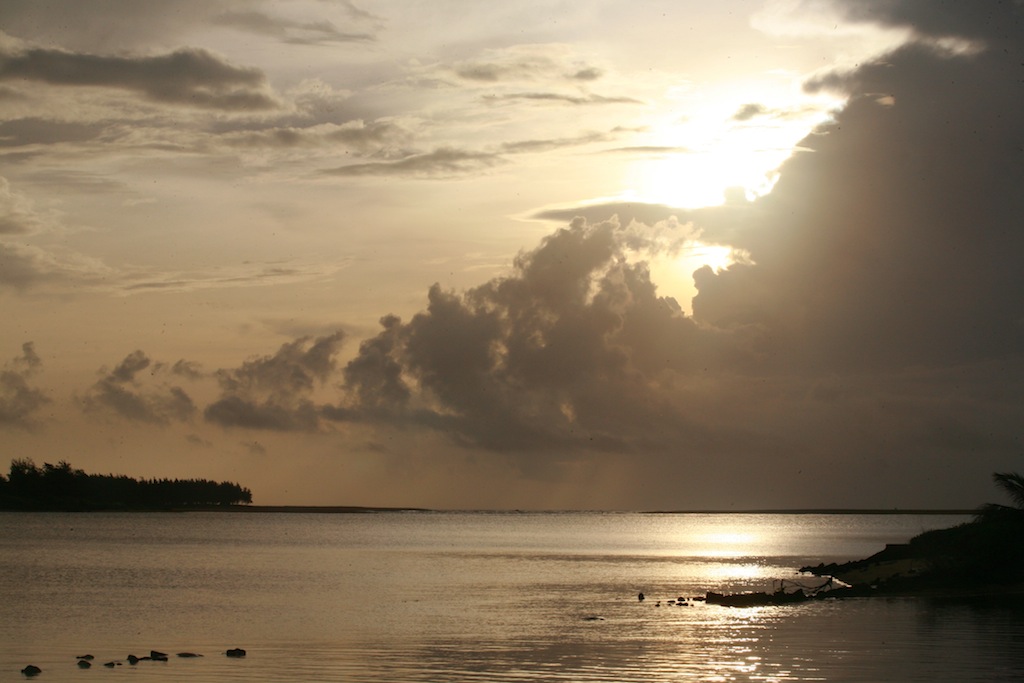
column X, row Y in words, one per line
column 872, row 334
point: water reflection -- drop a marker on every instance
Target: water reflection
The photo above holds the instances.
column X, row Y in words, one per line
column 729, row 544
column 700, row 643
column 741, row 571
column 462, row 598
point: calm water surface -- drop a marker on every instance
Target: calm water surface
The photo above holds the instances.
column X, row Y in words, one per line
column 400, row 597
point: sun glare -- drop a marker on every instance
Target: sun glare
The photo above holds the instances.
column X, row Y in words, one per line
column 674, row 274
column 735, row 142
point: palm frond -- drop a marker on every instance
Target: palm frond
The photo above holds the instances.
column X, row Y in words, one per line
column 1012, row 484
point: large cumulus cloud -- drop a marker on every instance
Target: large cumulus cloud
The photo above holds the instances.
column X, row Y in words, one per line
column 895, row 237
column 573, row 350
column 877, row 328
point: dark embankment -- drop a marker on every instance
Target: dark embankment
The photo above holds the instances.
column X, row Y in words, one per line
column 983, row 557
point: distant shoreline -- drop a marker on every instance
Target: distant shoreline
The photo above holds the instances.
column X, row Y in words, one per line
column 357, row 509
column 822, row 511
column 323, row 509
column 362, row 509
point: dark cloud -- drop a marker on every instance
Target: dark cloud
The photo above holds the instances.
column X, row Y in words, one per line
column 19, row 401
column 92, row 25
column 521, row 64
column 894, row 240
column 274, row 392
column 196, row 440
column 71, row 180
column 26, row 267
column 17, row 215
column 191, row 77
column 364, row 137
column 647, row 150
column 40, row 131
column 996, row 23
column 17, row 270
column 188, row 369
column 442, row 162
column 546, row 145
column 749, row 111
column 290, row 31
column 120, row 392
column 588, row 74
column 565, row 98
column 375, row 376
column 447, row 162
column 254, row 447
column 9, row 94
column 627, row 212
column 246, row 275
column 753, row 110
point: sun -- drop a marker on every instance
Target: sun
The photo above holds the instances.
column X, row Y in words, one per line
column 732, row 143
column 692, row 179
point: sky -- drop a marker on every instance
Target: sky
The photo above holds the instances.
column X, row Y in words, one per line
column 524, row 255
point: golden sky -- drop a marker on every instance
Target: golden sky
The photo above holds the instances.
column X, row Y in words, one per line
column 527, row 254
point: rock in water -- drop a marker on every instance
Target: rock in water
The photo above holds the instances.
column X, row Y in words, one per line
column 84, row 663
column 235, row 652
column 31, row 670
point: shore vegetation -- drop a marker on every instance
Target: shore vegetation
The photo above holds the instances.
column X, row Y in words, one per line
column 63, row 487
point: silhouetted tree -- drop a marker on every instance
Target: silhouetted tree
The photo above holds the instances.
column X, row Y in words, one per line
column 63, row 487
column 1012, row 484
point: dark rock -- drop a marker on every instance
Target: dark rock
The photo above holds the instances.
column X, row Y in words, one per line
column 132, row 659
column 755, row 599
column 86, row 657
column 154, row 654
column 84, row 663
column 31, row 670
column 235, row 652
column 112, row 664
column 188, row 654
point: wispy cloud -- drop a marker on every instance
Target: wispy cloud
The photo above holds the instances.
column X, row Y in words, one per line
column 442, row 162
column 291, row 31
column 17, row 213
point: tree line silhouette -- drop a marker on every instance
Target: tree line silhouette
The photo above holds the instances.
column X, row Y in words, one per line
column 62, row 487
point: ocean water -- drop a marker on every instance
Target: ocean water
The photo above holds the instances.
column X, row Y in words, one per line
column 394, row 597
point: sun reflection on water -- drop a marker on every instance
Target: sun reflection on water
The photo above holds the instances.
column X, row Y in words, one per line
column 728, row 544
